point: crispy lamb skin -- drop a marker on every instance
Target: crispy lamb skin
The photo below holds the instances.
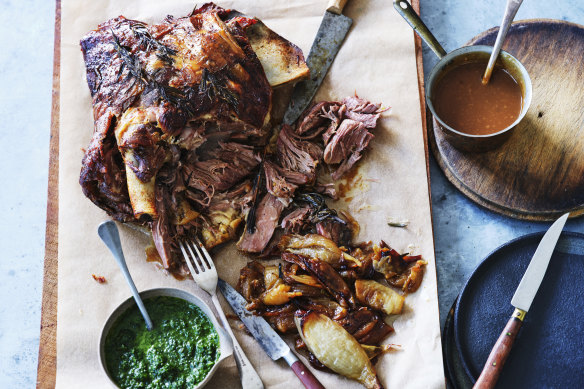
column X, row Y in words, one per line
column 192, row 82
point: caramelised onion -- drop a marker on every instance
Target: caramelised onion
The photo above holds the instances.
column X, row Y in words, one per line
column 378, row 296
column 335, row 348
column 374, row 351
column 277, row 292
column 313, row 246
column 278, row 295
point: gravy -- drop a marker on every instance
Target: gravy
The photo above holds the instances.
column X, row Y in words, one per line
column 466, row 105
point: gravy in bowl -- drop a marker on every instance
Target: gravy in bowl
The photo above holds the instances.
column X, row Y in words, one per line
column 465, row 104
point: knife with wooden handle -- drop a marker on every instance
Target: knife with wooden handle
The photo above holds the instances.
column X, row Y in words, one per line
column 521, row 300
column 270, row 341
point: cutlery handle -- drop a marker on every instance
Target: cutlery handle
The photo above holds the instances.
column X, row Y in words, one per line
column 108, row 232
column 510, row 12
column 302, row 372
column 336, row 6
column 409, row 14
column 249, row 377
column 500, row 352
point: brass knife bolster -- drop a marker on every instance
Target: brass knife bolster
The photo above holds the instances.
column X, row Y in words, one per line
column 519, row 314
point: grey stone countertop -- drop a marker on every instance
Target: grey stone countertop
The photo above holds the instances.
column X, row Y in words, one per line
column 464, row 232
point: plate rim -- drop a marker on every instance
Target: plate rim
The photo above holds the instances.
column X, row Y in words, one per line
column 478, row 270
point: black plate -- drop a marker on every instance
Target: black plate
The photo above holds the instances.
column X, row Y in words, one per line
column 456, row 377
column 549, row 350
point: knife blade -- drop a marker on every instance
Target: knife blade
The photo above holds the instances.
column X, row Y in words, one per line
column 326, row 44
column 270, row 341
column 522, row 299
column 533, row 276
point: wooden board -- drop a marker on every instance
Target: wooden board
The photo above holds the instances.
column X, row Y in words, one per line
column 539, row 173
column 47, row 358
column 47, row 363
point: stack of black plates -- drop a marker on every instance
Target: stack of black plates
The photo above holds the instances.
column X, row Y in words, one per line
column 549, row 350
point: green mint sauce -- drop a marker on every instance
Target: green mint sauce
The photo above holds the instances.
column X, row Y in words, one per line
column 177, row 353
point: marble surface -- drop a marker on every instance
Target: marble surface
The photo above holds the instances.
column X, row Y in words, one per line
column 26, row 69
column 464, row 233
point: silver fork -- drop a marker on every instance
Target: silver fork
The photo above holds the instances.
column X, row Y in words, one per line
column 204, row 273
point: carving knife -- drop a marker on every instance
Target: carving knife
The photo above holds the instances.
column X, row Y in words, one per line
column 326, row 44
column 270, row 341
column 521, row 300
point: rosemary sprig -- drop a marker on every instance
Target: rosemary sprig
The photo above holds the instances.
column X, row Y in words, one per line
column 213, row 87
column 128, row 60
column 147, row 42
column 319, row 211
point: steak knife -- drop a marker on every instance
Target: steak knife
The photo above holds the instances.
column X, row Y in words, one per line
column 329, row 38
column 521, row 300
column 270, row 341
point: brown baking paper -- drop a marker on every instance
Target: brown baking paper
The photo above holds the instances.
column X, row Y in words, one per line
column 376, row 61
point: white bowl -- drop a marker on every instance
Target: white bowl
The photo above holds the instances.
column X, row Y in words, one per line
column 225, row 344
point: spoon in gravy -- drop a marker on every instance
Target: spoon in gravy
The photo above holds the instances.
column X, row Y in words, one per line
column 510, row 11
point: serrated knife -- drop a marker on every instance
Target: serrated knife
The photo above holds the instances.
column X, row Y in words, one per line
column 521, row 300
column 329, row 38
column 270, row 341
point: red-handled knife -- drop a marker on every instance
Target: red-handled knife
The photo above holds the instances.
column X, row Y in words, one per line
column 521, row 300
column 270, row 341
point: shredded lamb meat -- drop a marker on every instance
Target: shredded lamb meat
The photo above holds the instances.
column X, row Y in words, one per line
column 182, row 111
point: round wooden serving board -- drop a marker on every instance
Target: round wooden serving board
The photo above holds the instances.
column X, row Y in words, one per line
column 538, row 174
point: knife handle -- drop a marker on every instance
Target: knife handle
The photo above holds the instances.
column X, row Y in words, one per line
column 306, row 376
column 336, row 6
column 500, row 352
column 302, row 372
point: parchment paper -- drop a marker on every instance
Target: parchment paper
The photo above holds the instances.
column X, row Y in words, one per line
column 376, row 61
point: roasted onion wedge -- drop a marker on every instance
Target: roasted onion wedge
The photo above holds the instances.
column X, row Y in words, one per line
column 336, row 348
column 326, row 275
column 278, row 295
column 313, row 246
column 379, row 296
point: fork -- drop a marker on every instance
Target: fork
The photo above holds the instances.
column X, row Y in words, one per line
column 204, row 273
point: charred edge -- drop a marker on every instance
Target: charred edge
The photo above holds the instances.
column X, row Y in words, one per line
column 319, row 210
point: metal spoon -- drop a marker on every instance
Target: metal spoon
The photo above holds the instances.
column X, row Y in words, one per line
column 108, row 232
column 510, row 11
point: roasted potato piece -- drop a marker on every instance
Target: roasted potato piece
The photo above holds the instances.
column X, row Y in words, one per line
column 336, row 348
column 379, row 296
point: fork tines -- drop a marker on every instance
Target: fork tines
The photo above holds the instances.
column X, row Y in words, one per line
column 199, row 260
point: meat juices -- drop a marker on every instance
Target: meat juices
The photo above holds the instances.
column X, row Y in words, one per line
column 465, row 104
